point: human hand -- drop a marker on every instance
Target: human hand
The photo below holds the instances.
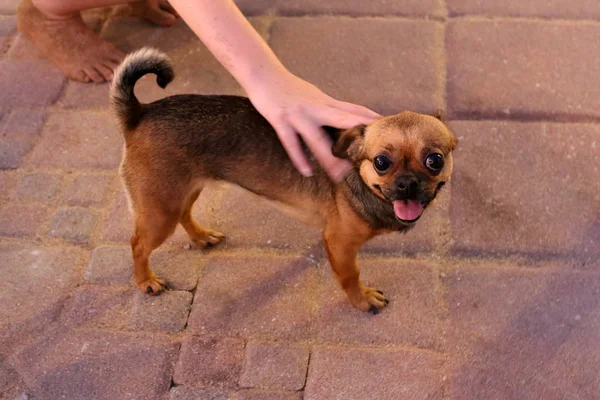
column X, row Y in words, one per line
column 295, row 107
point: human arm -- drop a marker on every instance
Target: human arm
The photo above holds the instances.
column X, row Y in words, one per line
column 291, row 105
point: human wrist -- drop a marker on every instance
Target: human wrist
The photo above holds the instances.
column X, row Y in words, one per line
column 257, row 76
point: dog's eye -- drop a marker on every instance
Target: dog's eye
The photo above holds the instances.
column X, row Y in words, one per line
column 434, row 162
column 382, row 163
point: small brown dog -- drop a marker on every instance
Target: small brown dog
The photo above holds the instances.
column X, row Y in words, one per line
column 174, row 146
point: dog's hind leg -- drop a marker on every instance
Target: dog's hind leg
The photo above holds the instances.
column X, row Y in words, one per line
column 153, row 225
column 202, row 237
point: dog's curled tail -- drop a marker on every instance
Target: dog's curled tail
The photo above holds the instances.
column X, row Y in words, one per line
column 137, row 64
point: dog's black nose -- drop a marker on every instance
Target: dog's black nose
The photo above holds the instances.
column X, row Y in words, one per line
column 407, row 184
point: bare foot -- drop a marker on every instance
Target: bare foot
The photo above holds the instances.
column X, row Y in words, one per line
column 159, row 12
column 70, row 44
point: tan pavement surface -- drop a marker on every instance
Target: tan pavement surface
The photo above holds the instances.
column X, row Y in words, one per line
column 495, row 295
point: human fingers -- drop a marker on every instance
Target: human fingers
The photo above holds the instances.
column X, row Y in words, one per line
column 291, row 143
column 320, row 145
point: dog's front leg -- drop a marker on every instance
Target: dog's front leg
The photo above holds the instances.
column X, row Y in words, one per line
column 343, row 241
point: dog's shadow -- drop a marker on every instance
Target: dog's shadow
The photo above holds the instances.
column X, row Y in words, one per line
column 273, row 295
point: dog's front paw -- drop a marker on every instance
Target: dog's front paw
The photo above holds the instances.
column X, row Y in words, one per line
column 375, row 298
column 152, row 286
column 370, row 299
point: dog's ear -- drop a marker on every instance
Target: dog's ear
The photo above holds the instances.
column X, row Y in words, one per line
column 440, row 114
column 344, row 140
column 454, row 141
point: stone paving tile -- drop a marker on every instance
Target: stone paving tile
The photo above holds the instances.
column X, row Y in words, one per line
column 12, row 153
column 167, row 312
column 110, row 265
column 8, row 23
column 273, row 297
column 21, row 79
column 7, row 376
column 11, row 385
column 196, row 70
column 510, row 326
column 84, row 96
column 98, row 365
column 75, row 225
column 209, row 362
column 19, row 131
column 521, row 187
column 411, row 317
column 22, row 125
column 372, row 374
column 78, row 140
column 355, row 8
column 258, row 223
column 21, row 221
column 267, row 395
column 88, row 190
column 562, row 9
column 275, row 366
column 191, row 393
column 38, row 187
column 8, row 182
column 491, row 303
column 179, row 268
column 93, row 306
column 347, row 58
column 518, row 69
column 114, row 265
column 8, row 6
column 188, row 393
column 422, row 239
column 37, row 281
column 8, row 26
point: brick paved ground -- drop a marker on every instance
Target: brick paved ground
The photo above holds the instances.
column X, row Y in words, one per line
column 496, row 295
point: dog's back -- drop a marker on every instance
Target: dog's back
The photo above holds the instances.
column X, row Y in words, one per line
column 189, row 137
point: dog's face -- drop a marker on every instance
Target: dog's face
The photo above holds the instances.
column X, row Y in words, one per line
column 404, row 159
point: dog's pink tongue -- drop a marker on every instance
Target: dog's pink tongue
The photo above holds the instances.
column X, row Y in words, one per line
column 407, row 209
